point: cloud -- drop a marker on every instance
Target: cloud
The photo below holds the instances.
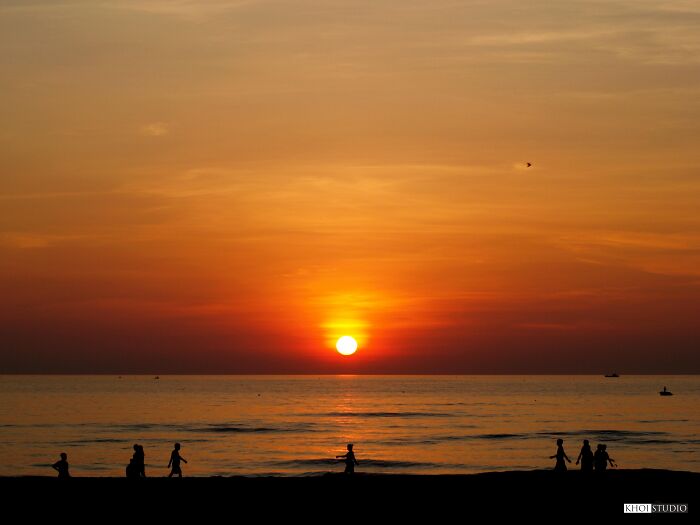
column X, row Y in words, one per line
column 184, row 8
column 641, row 240
column 548, row 326
column 155, row 129
column 658, row 253
column 29, row 240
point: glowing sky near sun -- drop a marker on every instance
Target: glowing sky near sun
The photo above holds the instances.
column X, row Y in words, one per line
column 231, row 186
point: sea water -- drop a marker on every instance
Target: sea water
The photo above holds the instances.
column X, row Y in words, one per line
column 296, row 425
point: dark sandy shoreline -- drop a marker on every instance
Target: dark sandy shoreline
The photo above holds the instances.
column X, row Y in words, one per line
column 541, row 491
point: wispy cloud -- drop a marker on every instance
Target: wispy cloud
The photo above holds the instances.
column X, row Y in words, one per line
column 642, row 240
column 155, row 129
column 184, row 8
column 26, row 241
column 658, row 253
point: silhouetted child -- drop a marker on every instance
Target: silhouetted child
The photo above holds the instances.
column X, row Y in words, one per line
column 61, row 466
column 560, row 455
column 601, row 459
column 585, row 457
column 350, row 460
column 175, row 459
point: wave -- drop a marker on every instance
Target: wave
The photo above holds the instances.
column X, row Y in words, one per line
column 78, row 442
column 204, row 428
column 382, row 414
column 610, row 435
column 663, row 421
column 467, row 437
column 500, row 436
column 379, row 463
column 96, row 467
column 247, row 429
column 639, row 438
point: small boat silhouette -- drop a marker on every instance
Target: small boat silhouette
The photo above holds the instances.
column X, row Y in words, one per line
column 665, row 392
column 614, row 374
column 157, row 377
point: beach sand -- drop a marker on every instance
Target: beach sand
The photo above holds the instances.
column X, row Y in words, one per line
column 541, row 492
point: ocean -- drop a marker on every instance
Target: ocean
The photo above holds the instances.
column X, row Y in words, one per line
column 296, row 425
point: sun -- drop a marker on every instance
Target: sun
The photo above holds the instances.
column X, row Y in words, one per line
column 346, row 345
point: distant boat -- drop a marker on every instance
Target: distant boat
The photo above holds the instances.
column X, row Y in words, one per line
column 665, row 392
column 614, row 374
column 157, row 377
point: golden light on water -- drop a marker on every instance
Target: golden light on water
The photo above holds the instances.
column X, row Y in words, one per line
column 346, row 345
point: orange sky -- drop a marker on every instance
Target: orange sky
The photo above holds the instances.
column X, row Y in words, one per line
column 228, row 186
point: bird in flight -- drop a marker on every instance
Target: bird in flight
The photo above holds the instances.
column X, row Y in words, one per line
column 529, row 164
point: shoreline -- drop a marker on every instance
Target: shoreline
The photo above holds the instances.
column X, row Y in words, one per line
column 501, row 493
column 609, row 473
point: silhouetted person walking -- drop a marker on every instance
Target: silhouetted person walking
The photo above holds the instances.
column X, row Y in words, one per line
column 560, row 455
column 175, row 459
column 601, row 459
column 350, row 460
column 585, row 457
column 61, row 466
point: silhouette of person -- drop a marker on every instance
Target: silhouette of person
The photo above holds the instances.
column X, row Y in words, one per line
column 132, row 469
column 136, row 467
column 560, row 455
column 585, row 457
column 61, row 466
column 350, row 460
column 175, row 459
column 139, row 461
column 601, row 459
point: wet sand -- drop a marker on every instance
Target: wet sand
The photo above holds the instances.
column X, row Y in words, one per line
column 540, row 492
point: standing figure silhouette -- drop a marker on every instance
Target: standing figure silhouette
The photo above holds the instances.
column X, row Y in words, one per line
column 350, row 460
column 132, row 469
column 175, row 459
column 585, row 457
column 140, row 460
column 560, row 455
column 137, row 465
column 61, row 466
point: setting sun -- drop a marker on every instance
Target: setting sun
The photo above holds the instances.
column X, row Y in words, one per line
column 483, row 214
column 346, row 345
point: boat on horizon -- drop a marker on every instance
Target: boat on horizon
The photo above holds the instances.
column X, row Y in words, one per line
column 665, row 392
column 614, row 374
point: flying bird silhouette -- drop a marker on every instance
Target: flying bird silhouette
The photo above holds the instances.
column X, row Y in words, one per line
column 529, row 164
